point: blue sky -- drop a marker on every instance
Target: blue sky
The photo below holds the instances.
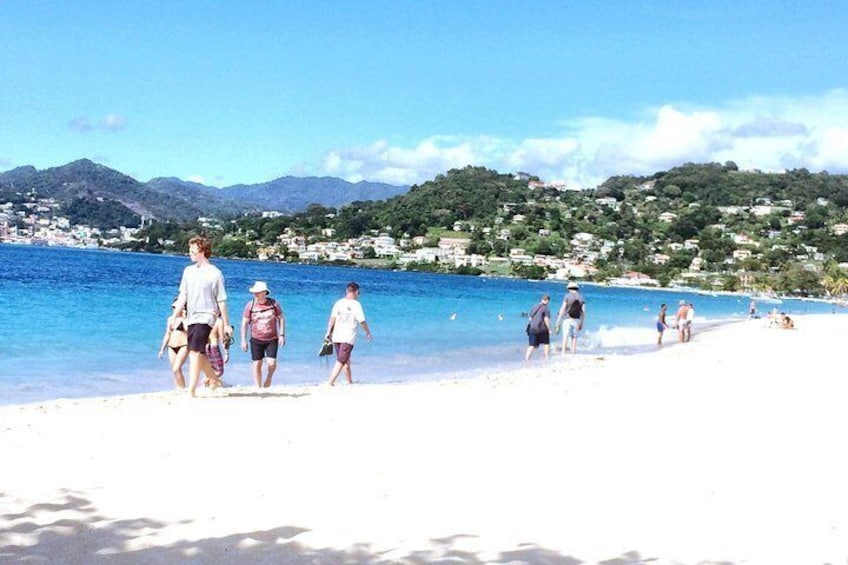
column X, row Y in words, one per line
column 226, row 93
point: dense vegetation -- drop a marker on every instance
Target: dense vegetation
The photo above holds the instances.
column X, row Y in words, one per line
column 709, row 202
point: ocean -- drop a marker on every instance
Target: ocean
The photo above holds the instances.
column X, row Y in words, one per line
column 85, row 323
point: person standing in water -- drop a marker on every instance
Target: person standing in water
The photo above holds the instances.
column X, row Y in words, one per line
column 661, row 323
column 573, row 314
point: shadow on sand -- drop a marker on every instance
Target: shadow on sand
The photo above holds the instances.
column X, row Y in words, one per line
column 86, row 536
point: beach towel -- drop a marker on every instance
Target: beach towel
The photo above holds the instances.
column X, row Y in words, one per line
column 213, row 352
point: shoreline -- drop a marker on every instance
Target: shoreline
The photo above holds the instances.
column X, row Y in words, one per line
column 724, row 449
column 498, row 360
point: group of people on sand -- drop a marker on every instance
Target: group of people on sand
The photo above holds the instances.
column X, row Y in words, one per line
column 199, row 326
column 570, row 320
column 777, row 319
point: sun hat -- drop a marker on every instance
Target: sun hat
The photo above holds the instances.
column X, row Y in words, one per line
column 259, row 286
column 572, row 286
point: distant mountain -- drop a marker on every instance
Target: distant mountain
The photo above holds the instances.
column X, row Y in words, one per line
column 103, row 192
column 201, row 199
column 295, row 194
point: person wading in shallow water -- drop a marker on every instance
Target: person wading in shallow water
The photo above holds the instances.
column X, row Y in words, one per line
column 539, row 328
column 661, row 323
column 573, row 314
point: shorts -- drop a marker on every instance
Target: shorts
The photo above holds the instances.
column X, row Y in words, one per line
column 535, row 340
column 198, row 337
column 660, row 327
column 213, row 352
column 261, row 349
column 343, row 351
column 573, row 324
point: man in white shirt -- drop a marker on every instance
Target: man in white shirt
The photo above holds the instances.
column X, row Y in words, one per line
column 203, row 294
column 345, row 318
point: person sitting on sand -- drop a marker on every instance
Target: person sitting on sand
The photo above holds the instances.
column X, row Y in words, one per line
column 786, row 322
column 176, row 340
column 773, row 318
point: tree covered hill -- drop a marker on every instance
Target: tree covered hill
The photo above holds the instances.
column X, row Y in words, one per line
column 294, row 194
column 93, row 194
column 783, row 229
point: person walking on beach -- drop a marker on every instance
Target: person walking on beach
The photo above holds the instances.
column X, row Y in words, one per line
column 690, row 319
column 345, row 318
column 573, row 314
column 661, row 323
column 217, row 359
column 176, row 340
column 267, row 331
column 203, row 295
column 539, row 328
column 681, row 321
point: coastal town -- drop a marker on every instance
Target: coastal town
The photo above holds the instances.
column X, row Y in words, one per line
column 39, row 221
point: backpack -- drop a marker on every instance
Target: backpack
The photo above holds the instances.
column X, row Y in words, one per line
column 575, row 309
column 270, row 301
column 531, row 329
column 272, row 305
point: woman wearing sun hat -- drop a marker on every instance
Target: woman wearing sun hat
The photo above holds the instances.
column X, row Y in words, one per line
column 267, row 331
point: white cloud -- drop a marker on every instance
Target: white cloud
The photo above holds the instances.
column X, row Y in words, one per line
column 81, row 124
column 764, row 133
column 109, row 123
column 113, row 122
column 197, row 178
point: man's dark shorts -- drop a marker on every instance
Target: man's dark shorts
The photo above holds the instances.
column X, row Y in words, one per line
column 536, row 340
column 261, row 349
column 198, row 337
column 343, row 351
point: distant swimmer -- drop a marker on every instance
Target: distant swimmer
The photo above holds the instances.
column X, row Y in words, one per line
column 453, row 316
column 500, row 317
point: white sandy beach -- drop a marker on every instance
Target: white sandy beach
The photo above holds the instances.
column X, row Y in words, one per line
column 728, row 449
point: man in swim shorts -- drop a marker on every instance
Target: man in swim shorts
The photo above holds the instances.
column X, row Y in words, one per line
column 573, row 315
column 539, row 328
column 681, row 321
column 661, row 323
column 204, row 297
column 346, row 317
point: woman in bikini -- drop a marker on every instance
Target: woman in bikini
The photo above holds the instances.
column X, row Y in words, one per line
column 176, row 340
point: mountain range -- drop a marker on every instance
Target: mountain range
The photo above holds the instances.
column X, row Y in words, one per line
column 169, row 198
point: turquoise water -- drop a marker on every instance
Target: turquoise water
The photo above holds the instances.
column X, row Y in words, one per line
column 78, row 323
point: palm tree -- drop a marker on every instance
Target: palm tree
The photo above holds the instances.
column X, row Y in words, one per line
column 835, row 285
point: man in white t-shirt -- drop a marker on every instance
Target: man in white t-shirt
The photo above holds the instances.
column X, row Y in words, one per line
column 204, row 297
column 345, row 318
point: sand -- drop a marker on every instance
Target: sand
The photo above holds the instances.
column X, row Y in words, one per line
column 728, row 449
